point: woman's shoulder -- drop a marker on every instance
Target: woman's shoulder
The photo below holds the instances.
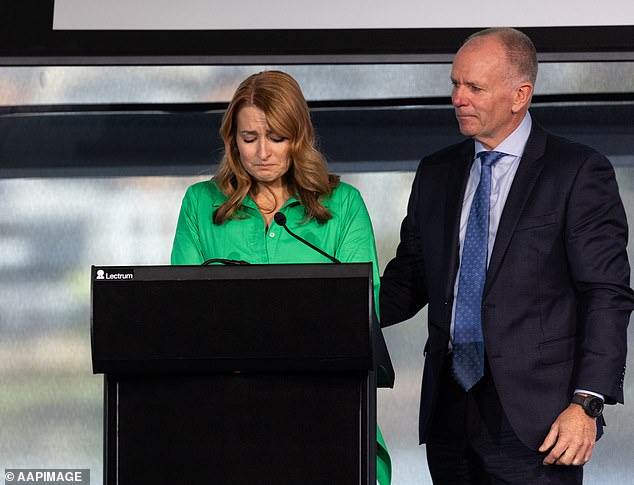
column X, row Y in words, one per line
column 345, row 192
column 206, row 191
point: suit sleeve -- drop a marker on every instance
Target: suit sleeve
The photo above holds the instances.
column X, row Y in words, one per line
column 403, row 290
column 596, row 239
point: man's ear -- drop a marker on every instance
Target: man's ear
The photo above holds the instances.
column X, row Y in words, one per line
column 523, row 96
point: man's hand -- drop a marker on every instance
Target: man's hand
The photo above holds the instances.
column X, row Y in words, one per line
column 571, row 438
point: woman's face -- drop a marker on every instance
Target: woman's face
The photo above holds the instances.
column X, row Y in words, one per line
column 263, row 153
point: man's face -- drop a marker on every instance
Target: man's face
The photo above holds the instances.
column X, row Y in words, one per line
column 483, row 92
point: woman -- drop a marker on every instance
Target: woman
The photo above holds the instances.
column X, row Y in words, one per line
column 271, row 165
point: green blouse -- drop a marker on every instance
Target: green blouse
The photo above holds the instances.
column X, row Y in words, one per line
column 348, row 236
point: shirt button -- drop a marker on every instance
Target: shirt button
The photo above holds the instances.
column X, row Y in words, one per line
column 271, row 234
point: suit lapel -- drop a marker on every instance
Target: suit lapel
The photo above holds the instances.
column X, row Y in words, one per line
column 527, row 174
column 457, row 183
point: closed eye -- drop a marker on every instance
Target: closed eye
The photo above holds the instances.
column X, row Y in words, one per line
column 276, row 138
column 248, row 136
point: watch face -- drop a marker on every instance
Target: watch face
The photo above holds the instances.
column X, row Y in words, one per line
column 595, row 406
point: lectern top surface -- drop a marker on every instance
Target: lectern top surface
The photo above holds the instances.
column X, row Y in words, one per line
column 248, row 271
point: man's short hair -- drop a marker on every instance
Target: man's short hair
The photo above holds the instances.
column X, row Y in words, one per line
column 520, row 50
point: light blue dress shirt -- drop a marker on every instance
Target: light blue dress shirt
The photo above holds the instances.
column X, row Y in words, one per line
column 502, row 175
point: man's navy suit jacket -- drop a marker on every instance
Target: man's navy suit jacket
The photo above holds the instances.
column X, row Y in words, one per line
column 556, row 301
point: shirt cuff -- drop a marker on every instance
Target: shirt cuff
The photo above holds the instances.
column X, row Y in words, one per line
column 583, row 391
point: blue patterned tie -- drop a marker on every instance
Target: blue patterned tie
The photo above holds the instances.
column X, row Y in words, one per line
column 468, row 342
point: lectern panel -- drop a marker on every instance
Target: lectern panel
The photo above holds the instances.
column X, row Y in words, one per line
column 238, row 429
column 209, row 319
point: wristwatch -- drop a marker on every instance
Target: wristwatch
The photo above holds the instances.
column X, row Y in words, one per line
column 592, row 405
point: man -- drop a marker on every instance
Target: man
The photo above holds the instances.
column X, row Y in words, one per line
column 516, row 239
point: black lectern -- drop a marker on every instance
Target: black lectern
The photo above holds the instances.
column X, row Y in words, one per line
column 255, row 374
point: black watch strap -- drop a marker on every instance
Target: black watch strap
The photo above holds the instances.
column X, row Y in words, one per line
column 592, row 405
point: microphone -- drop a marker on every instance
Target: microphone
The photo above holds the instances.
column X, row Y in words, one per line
column 226, row 262
column 280, row 220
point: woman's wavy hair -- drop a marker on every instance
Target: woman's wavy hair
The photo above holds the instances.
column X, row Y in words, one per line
column 280, row 98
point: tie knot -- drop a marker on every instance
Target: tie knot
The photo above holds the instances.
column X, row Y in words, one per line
column 489, row 158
